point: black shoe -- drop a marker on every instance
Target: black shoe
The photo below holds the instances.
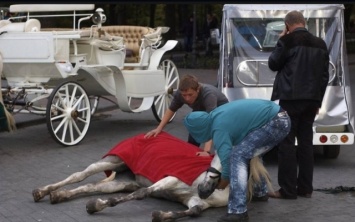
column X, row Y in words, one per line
column 278, row 195
column 262, row 198
column 234, row 218
column 306, row 195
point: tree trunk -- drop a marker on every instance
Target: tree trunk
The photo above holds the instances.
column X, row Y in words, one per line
column 170, row 21
column 347, row 13
column 152, row 15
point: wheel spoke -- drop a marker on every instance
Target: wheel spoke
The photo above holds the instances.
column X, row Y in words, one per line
column 78, row 101
column 57, row 117
column 159, row 103
column 171, row 73
column 64, row 133
column 62, row 101
column 71, row 122
column 56, row 107
column 60, row 125
column 73, row 96
column 67, row 95
column 175, row 80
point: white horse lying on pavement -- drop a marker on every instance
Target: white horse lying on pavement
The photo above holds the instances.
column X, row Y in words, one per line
column 164, row 167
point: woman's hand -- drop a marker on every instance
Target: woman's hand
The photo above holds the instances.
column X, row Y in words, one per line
column 203, row 153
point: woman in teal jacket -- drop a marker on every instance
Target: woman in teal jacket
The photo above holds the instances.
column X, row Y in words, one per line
column 240, row 130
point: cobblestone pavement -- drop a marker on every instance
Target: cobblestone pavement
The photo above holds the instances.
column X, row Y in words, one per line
column 30, row 158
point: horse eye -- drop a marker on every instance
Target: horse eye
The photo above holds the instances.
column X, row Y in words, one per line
column 214, row 177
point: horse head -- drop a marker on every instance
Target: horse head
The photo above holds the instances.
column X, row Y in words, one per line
column 211, row 180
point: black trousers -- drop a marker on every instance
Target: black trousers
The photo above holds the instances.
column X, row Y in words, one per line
column 295, row 163
column 192, row 141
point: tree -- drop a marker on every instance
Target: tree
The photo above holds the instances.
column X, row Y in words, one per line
column 347, row 14
column 170, row 21
column 152, row 15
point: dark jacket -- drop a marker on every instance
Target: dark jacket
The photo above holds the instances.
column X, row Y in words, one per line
column 302, row 62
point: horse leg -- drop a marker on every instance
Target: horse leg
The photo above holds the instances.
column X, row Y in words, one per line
column 108, row 163
column 168, row 183
column 102, row 186
column 195, row 204
column 160, row 216
column 98, row 205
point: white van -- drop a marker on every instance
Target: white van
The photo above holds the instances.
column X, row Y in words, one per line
column 249, row 34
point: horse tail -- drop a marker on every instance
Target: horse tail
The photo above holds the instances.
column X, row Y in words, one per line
column 110, row 178
column 9, row 120
column 257, row 173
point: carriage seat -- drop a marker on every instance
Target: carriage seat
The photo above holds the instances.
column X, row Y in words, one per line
column 31, row 25
column 132, row 36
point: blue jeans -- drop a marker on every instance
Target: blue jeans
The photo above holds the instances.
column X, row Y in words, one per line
column 256, row 143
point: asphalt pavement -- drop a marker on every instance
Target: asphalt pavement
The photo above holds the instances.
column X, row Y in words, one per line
column 30, row 158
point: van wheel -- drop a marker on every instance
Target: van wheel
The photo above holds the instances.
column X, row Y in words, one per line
column 331, row 152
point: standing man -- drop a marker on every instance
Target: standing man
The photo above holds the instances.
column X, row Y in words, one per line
column 187, row 29
column 210, row 23
column 240, row 130
column 301, row 61
column 198, row 96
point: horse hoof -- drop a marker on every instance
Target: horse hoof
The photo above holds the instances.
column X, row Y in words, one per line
column 91, row 206
column 157, row 216
column 38, row 194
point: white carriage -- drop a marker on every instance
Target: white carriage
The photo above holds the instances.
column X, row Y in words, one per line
column 62, row 73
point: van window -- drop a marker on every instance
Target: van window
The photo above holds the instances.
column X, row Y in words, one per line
column 262, row 34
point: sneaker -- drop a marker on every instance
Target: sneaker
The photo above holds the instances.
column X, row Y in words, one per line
column 234, row 218
column 262, row 198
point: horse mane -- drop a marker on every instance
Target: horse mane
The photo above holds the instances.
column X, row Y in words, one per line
column 257, row 171
column 10, row 121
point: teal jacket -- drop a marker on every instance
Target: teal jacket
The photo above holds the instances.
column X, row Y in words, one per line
column 227, row 125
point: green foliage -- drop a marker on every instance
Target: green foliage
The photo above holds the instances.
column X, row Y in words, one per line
column 193, row 61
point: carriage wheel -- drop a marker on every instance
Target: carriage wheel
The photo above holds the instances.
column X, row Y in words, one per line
column 68, row 113
column 172, row 80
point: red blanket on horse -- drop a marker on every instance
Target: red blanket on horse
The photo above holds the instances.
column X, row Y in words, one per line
column 161, row 156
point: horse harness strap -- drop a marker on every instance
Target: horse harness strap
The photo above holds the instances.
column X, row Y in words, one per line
column 213, row 170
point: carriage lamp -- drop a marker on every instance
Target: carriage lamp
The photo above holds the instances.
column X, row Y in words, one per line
column 334, row 138
column 65, row 66
column 344, row 138
column 323, row 138
column 98, row 18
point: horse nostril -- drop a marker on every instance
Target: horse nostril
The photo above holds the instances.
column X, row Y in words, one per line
column 205, row 191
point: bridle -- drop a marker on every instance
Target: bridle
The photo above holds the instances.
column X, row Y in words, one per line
column 213, row 170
